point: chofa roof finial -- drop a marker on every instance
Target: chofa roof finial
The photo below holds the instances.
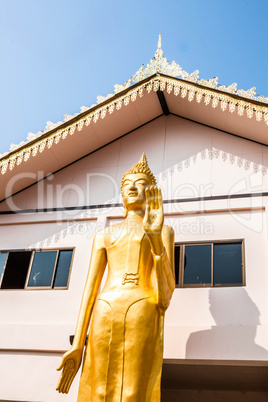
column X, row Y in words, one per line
column 159, row 52
column 159, row 41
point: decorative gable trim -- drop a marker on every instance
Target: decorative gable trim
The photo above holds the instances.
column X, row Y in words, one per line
column 188, row 90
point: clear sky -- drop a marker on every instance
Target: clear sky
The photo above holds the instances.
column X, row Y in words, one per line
column 58, row 55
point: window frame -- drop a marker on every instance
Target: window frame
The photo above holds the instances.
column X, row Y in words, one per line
column 4, row 268
column 33, row 251
column 182, row 245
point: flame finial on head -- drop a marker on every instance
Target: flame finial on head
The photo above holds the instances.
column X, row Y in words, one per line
column 140, row 167
column 143, row 159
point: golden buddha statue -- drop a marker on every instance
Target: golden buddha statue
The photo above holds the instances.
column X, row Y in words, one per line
column 124, row 352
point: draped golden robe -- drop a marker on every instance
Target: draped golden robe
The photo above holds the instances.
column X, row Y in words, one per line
column 123, row 357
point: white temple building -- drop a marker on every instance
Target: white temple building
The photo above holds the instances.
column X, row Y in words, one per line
column 208, row 147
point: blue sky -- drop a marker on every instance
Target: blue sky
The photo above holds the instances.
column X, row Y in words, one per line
column 58, row 55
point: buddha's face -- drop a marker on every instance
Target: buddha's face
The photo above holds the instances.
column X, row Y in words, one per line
column 133, row 191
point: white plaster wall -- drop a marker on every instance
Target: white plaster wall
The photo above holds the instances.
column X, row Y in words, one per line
column 189, row 160
column 32, row 377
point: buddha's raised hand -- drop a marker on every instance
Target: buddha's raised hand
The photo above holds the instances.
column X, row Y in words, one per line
column 154, row 218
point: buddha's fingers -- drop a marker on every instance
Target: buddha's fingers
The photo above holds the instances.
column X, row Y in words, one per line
column 159, row 199
column 154, row 199
column 148, row 197
column 60, row 384
column 69, row 382
column 67, row 377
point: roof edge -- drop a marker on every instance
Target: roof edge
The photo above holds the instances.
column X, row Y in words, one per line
column 155, row 82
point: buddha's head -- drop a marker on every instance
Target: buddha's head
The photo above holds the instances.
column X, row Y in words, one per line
column 134, row 183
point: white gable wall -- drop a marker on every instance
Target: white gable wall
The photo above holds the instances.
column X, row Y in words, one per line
column 189, row 159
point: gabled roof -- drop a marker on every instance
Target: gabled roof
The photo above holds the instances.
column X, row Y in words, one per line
column 160, row 88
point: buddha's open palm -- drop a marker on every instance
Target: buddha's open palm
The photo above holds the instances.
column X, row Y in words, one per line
column 70, row 365
column 154, row 215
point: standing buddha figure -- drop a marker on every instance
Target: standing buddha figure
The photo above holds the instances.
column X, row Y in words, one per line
column 123, row 357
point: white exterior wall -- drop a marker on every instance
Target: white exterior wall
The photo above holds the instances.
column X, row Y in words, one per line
column 190, row 161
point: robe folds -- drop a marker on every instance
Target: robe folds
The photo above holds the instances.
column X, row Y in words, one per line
column 124, row 353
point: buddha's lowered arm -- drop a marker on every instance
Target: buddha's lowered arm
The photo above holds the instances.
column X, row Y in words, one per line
column 72, row 359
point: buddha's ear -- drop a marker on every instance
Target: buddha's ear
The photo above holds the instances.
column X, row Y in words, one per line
column 125, row 212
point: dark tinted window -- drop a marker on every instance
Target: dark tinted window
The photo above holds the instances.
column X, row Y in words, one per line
column 42, row 269
column 63, row 268
column 194, row 265
column 16, row 270
column 45, row 269
column 197, row 264
column 227, row 264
